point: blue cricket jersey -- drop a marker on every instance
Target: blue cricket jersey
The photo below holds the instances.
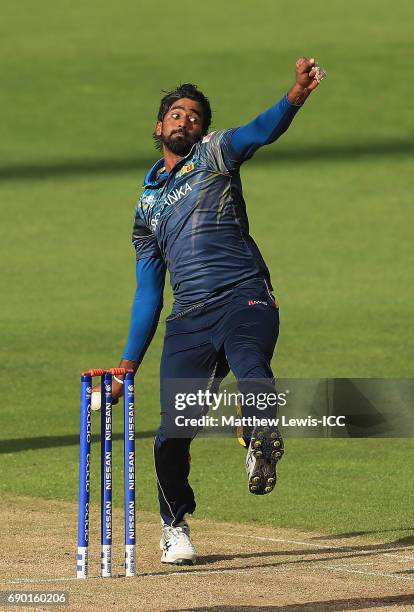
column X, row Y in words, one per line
column 193, row 220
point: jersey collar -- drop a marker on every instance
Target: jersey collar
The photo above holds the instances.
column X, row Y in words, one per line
column 152, row 180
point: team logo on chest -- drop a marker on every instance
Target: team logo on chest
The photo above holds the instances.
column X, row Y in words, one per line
column 186, row 169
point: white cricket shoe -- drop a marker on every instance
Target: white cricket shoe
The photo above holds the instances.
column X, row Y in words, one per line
column 176, row 545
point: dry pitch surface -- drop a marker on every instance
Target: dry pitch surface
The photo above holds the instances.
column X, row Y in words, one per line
column 241, row 567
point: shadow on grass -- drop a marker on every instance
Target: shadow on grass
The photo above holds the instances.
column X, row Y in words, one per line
column 307, row 558
column 406, row 541
column 331, row 152
column 355, row 534
column 326, row 605
column 337, row 552
column 16, row 445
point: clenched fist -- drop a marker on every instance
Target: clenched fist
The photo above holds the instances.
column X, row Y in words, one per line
column 308, row 76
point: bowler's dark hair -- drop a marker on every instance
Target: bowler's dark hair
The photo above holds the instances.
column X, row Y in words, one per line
column 186, row 90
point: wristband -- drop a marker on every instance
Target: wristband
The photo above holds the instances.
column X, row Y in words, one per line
column 118, row 380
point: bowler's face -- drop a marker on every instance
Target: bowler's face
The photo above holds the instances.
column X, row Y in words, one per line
column 182, row 126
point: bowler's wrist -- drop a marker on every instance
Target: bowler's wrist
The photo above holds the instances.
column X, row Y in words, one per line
column 128, row 364
column 297, row 95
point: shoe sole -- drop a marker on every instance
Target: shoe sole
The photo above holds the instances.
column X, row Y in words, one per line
column 179, row 562
column 267, row 448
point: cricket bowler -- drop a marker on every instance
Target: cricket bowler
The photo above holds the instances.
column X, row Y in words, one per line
column 191, row 220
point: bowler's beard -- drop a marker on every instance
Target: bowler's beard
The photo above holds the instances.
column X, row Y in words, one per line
column 179, row 142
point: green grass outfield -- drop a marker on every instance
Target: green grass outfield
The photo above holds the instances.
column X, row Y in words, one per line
column 330, row 206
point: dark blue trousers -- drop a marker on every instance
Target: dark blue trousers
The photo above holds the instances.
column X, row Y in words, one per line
column 238, row 333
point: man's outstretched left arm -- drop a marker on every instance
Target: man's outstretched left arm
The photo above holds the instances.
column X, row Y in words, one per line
column 268, row 126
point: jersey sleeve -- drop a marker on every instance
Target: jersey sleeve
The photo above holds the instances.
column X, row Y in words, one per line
column 144, row 241
column 263, row 130
column 225, row 150
column 216, row 152
column 146, row 307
